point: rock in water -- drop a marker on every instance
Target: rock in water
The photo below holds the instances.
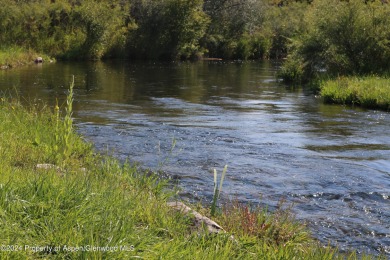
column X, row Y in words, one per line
column 38, row 60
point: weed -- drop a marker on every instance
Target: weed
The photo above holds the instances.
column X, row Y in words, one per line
column 117, row 206
column 15, row 56
column 63, row 129
column 217, row 189
column 369, row 92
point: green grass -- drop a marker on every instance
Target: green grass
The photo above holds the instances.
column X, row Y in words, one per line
column 11, row 57
column 94, row 207
column 369, row 92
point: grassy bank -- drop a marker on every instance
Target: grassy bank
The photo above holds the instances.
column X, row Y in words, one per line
column 90, row 206
column 12, row 57
column 369, row 92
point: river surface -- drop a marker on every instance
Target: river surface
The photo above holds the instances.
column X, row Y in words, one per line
column 280, row 143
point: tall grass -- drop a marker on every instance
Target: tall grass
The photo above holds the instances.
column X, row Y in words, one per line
column 11, row 57
column 369, row 92
column 217, row 189
column 64, row 128
column 113, row 210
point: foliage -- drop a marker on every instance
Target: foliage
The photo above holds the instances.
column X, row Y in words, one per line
column 284, row 24
column 36, row 139
column 103, row 25
column 344, row 38
column 217, row 189
column 292, row 70
column 12, row 57
column 330, row 37
column 63, row 129
column 167, row 29
column 370, row 92
column 279, row 227
column 94, row 207
column 233, row 22
column 63, row 28
column 251, row 29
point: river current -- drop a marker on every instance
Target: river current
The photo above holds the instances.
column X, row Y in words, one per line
column 330, row 162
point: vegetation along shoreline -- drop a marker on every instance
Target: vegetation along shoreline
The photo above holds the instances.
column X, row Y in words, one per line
column 88, row 205
column 319, row 41
column 82, row 204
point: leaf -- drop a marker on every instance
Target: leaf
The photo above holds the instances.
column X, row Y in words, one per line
column 36, row 141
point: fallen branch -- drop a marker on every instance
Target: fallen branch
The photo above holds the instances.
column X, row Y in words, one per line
column 200, row 220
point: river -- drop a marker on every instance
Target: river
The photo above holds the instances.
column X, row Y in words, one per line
column 330, row 162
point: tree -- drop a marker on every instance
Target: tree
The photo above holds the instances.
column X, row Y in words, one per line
column 168, row 29
column 352, row 38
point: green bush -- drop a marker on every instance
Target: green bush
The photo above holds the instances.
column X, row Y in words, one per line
column 291, row 71
column 233, row 28
column 261, row 45
column 243, row 49
column 102, row 24
column 339, row 37
column 168, row 29
column 283, row 24
column 61, row 28
column 344, row 38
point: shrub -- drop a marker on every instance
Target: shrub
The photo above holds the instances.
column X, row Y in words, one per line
column 59, row 28
column 167, row 29
column 261, row 45
column 344, row 37
column 282, row 24
column 292, row 71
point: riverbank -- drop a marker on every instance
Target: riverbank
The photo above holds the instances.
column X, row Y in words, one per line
column 368, row 92
column 13, row 57
column 91, row 206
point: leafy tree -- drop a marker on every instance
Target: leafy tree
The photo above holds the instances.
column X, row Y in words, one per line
column 102, row 23
column 344, row 38
column 168, row 29
column 233, row 22
column 283, row 24
column 67, row 28
column 242, row 29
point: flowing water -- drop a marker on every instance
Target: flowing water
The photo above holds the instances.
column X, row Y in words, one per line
column 280, row 143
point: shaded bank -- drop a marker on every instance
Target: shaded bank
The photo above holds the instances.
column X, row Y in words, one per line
column 169, row 29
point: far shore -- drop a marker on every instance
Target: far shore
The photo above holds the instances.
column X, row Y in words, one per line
column 371, row 92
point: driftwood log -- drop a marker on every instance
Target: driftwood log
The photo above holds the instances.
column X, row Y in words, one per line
column 200, row 220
